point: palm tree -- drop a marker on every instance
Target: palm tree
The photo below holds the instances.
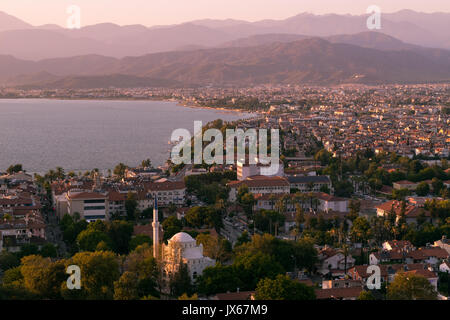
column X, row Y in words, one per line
column 60, row 173
column 316, row 203
column 272, row 199
column 345, row 247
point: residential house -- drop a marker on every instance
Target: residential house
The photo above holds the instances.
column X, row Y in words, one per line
column 309, row 183
column 412, row 213
column 259, row 185
column 444, row 243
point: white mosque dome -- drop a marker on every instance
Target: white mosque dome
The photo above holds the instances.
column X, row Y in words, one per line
column 182, row 237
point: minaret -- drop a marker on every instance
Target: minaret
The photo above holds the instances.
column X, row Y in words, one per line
column 155, row 225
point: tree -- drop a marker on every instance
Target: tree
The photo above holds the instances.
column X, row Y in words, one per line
column 219, row 279
column 126, row 287
column 48, row 250
column 89, row 239
column 242, row 190
column 423, row 189
column 366, row 295
column 171, row 226
column 355, row 208
column 251, row 267
column 243, row 238
column 131, row 205
column 139, row 240
column 147, row 163
column 408, row 286
column 437, row 185
column 13, row 278
column 120, row 170
column 141, row 263
column 360, row 231
column 199, row 217
column 28, row 249
column 13, row 288
column 283, row 288
column 184, row 296
column 59, row 173
column 247, row 202
column 99, row 271
column 42, row 276
column 119, row 233
column 323, row 156
column 72, row 227
column 215, row 247
column 269, row 220
column 180, row 282
column 8, row 261
column 14, row 169
column 325, row 189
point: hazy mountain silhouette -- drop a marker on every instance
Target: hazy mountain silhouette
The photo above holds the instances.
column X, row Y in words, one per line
column 104, row 81
column 309, row 61
column 8, row 22
column 430, row 30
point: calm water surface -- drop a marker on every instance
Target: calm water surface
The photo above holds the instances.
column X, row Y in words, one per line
column 85, row 134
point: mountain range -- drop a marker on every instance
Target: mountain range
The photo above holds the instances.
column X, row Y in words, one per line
column 25, row 41
column 305, row 49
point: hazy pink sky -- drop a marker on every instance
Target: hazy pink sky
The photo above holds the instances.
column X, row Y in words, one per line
column 158, row 12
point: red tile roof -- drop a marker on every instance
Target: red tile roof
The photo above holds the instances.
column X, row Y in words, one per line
column 260, row 181
column 338, row 293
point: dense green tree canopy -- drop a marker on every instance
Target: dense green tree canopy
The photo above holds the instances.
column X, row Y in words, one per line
column 283, row 288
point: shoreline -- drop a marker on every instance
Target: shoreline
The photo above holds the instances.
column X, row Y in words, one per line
column 178, row 102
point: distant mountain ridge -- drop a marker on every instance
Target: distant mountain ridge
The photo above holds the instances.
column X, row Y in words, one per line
column 307, row 61
column 429, row 30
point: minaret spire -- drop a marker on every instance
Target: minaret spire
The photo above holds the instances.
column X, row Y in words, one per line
column 155, row 225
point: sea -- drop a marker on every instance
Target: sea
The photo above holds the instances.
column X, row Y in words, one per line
column 81, row 135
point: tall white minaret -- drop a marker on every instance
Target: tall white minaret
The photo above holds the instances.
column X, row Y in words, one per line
column 155, row 225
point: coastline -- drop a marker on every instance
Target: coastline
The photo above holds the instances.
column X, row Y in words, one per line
column 180, row 103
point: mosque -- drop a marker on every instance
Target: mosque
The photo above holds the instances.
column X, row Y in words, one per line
column 180, row 248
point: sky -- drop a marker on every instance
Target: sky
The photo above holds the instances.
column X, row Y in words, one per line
column 166, row 12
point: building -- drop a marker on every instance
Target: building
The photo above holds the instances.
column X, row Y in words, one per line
column 331, row 203
column 349, row 293
column 444, row 267
column 167, row 192
column 444, row 243
column 341, row 283
column 403, row 245
column 116, row 203
column 412, row 213
column 310, row 183
column 182, row 248
column 432, row 256
column 233, row 296
column 389, row 272
column 404, row 184
column 91, row 206
column 325, row 202
column 18, row 232
column 245, row 170
column 259, row 185
column 334, row 262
